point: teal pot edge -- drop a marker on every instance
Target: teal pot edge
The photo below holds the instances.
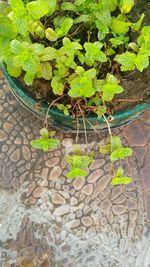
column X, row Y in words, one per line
column 65, row 123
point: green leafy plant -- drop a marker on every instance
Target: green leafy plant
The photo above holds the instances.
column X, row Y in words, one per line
column 81, row 48
column 78, row 163
column 45, row 142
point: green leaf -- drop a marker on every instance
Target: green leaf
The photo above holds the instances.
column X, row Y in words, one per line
column 45, row 144
column 21, row 24
column 122, row 180
column 14, row 71
column 90, row 73
column 30, row 65
column 119, row 172
column 63, row 108
column 116, row 142
column 28, row 78
column 93, row 53
column 127, row 61
column 38, row 9
column 110, row 88
column 51, row 35
column 18, row 7
column 66, row 24
column 15, row 46
column 103, row 30
column 49, row 53
column 119, row 26
column 76, row 172
column 126, row 5
column 105, row 149
column 116, row 41
column 52, row 6
column 46, row 70
column 7, row 28
column 120, row 153
column 136, row 26
column 142, row 62
column 109, row 4
column 69, row 6
column 81, row 87
column 37, row 49
column 57, row 86
column 44, row 133
column 104, row 17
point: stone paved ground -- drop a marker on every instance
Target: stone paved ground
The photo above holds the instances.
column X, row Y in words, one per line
column 47, row 220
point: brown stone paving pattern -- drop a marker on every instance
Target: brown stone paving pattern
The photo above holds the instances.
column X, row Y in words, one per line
column 82, row 207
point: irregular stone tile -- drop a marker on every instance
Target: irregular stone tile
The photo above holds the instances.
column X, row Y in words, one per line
column 73, row 223
column 73, row 201
column 116, row 192
column 140, row 153
column 15, row 156
column 67, row 142
column 106, row 205
column 28, row 251
column 60, row 211
column 94, row 176
column 78, row 183
column 6, row 174
column 30, row 201
column 145, row 174
column 39, row 191
column 3, row 136
column 147, row 206
column 52, row 162
column 96, row 193
column 131, row 204
column 26, row 152
column 96, row 164
column 119, row 209
column 135, row 134
column 55, row 173
column 104, row 181
column 120, row 200
column 131, row 229
column 87, row 189
column 133, row 215
column 87, row 221
column 8, row 127
column 58, row 199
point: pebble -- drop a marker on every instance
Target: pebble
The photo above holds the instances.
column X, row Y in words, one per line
column 106, row 205
column 58, row 199
column 87, row 221
column 8, row 127
column 60, row 211
column 73, row 201
column 55, row 173
column 39, row 191
column 26, row 152
column 94, row 176
column 116, row 192
column 52, row 162
column 3, row 136
column 67, row 142
column 15, row 156
column 88, row 189
column 119, row 209
column 104, row 181
column 73, row 224
column 97, row 164
column 78, row 183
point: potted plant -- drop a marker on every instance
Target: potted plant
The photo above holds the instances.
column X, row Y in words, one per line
column 72, row 58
